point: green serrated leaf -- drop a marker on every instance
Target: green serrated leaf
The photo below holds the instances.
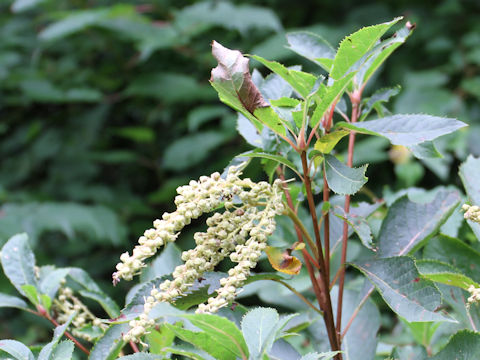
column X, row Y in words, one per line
column 12, row 301
column 379, row 97
column 278, row 158
column 200, row 291
column 354, row 47
column 343, row 179
column 403, row 289
column 383, row 50
column 470, row 173
column 425, row 150
column 408, row 225
column 301, row 81
column 361, row 227
column 444, row 273
column 456, row 253
column 327, row 142
column 313, row 47
column 31, row 293
column 259, row 328
column 18, row 262
column 110, row 307
column 326, row 96
column 285, row 102
column 219, row 338
column 16, row 349
column 406, row 129
column 464, row 345
column 268, row 117
column 49, row 349
column 142, row 356
column 183, row 352
column 159, row 339
column 109, row 345
column 50, row 282
column 63, row 351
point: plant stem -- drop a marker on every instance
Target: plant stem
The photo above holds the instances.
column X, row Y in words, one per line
column 134, row 347
column 67, row 334
column 303, row 298
column 323, row 283
column 357, row 309
column 326, row 225
column 355, row 100
column 292, row 215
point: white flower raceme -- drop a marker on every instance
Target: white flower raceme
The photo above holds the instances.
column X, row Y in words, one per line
column 474, row 294
column 66, row 304
column 471, row 213
column 239, row 232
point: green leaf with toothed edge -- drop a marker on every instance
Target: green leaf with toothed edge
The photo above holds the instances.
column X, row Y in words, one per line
column 183, row 352
column 470, row 173
column 342, row 179
column 463, row 345
column 301, row 81
column 313, row 47
column 261, row 327
column 425, row 150
column 406, row 129
column 456, row 253
column 109, row 345
column 281, row 159
column 16, row 349
column 382, row 51
column 444, row 273
column 402, row 287
column 379, row 97
column 49, row 349
column 12, row 301
column 408, row 225
column 270, row 118
column 219, row 336
column 142, row 356
column 327, row 95
column 18, row 262
column 327, row 142
column 355, row 46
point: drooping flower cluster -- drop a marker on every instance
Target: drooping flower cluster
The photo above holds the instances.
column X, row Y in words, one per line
column 474, row 294
column 239, row 232
column 471, row 213
column 66, row 304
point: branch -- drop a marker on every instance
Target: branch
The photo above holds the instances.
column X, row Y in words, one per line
column 355, row 99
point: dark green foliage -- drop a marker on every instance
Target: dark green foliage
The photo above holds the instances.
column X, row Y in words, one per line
column 106, row 108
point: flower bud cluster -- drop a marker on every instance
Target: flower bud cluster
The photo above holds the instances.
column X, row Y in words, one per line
column 239, row 232
column 471, row 213
column 474, row 294
column 66, row 304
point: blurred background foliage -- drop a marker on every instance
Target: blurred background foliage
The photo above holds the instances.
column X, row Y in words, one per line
column 106, row 108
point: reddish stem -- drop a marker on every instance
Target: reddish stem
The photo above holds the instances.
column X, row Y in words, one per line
column 67, row 334
column 306, row 255
column 326, row 225
column 355, row 98
column 323, row 283
column 134, row 346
